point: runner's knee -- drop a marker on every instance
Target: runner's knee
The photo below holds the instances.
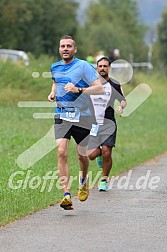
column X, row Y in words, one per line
column 62, row 154
column 106, row 154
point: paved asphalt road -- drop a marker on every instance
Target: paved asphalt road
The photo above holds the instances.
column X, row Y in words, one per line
column 127, row 218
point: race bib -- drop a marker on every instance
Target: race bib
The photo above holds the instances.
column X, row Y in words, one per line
column 70, row 114
column 94, row 130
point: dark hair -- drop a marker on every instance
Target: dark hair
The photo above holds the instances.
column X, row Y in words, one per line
column 104, row 58
column 68, row 37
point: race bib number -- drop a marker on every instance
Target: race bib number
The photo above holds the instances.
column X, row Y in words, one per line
column 70, row 114
column 94, row 130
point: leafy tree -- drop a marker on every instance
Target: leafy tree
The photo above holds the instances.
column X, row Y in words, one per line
column 114, row 24
column 36, row 26
column 162, row 38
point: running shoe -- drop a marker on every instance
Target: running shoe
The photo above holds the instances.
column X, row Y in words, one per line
column 83, row 192
column 103, row 186
column 99, row 161
column 66, row 203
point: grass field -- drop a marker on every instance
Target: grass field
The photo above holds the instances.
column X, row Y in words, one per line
column 141, row 136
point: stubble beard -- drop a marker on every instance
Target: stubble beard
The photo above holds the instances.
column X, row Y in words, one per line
column 104, row 74
column 68, row 59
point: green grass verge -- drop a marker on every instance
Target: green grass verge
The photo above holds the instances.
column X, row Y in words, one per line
column 141, row 136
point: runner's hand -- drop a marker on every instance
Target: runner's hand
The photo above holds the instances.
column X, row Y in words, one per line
column 51, row 97
column 69, row 87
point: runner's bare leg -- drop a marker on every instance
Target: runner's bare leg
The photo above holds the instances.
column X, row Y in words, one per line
column 63, row 168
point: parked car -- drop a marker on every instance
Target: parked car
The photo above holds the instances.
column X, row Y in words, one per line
column 15, row 56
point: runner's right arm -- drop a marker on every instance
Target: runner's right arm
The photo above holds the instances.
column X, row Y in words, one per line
column 51, row 96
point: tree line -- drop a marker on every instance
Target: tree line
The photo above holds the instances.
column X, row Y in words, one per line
column 36, row 27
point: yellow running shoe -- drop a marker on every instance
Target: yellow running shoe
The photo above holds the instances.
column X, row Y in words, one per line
column 83, row 192
column 66, row 203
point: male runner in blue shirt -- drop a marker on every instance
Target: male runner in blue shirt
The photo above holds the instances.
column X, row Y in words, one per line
column 73, row 81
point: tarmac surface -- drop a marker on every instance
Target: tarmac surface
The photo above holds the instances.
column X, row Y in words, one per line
column 130, row 217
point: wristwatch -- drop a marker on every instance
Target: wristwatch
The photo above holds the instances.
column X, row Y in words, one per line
column 80, row 90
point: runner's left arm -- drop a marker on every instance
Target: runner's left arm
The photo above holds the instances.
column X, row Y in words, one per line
column 123, row 103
